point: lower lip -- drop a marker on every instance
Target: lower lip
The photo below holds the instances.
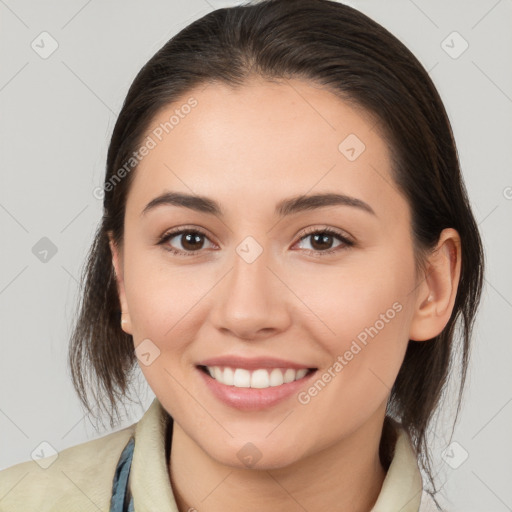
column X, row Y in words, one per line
column 253, row 399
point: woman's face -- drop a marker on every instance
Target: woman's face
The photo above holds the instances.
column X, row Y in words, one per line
column 258, row 294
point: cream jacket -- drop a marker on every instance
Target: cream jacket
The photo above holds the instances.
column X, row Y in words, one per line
column 80, row 478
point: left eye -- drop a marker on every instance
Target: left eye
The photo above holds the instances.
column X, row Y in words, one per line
column 322, row 241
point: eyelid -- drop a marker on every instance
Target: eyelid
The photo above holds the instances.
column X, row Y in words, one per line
column 327, row 229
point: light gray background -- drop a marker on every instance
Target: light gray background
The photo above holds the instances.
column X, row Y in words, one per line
column 57, row 115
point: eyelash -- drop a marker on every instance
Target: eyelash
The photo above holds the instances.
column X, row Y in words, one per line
column 310, row 231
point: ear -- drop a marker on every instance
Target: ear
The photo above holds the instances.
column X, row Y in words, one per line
column 117, row 262
column 438, row 289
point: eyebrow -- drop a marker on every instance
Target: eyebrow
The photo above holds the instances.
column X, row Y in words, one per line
column 284, row 208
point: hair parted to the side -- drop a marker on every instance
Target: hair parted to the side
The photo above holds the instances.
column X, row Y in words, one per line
column 327, row 43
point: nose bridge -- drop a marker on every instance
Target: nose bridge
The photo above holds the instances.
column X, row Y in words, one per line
column 250, row 299
column 250, row 276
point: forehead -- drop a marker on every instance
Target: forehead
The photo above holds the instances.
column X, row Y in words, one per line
column 264, row 141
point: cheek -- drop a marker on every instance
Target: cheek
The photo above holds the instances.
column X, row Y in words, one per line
column 162, row 299
column 361, row 318
column 363, row 299
column 165, row 312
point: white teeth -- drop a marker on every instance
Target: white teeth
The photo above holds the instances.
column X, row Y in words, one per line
column 242, row 378
column 276, row 377
column 301, row 373
column 217, row 373
column 259, row 379
column 289, row 375
column 228, row 377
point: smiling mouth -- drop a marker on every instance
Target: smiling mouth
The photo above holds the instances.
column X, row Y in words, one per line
column 259, row 378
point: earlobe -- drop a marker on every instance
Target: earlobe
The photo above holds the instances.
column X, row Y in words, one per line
column 126, row 324
column 437, row 292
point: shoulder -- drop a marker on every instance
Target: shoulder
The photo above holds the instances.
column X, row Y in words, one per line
column 78, row 478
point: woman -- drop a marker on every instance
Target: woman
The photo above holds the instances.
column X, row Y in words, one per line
column 286, row 249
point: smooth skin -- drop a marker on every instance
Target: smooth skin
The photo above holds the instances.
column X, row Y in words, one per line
column 248, row 149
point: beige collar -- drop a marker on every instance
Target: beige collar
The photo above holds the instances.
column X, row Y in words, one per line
column 151, row 488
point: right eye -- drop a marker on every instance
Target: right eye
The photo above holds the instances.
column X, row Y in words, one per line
column 190, row 240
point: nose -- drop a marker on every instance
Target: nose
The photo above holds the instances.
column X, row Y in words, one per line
column 252, row 302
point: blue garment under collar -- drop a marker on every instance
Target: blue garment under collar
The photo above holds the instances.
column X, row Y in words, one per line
column 122, row 500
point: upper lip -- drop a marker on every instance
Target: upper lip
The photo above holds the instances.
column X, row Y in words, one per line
column 252, row 363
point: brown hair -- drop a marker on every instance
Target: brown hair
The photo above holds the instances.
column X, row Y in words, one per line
column 334, row 45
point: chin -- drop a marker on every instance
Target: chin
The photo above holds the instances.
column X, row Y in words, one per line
column 259, row 454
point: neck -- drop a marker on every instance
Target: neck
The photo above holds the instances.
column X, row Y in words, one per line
column 345, row 476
